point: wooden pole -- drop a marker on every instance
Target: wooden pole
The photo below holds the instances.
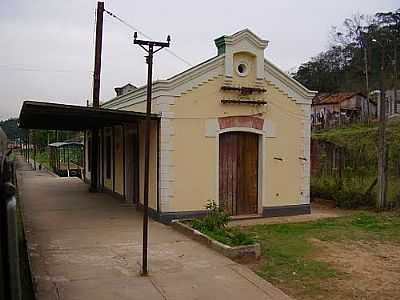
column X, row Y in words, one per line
column 149, row 60
column 123, row 161
column 382, row 182
column 395, row 85
column 94, row 178
column 27, row 157
column 366, row 80
column 113, row 158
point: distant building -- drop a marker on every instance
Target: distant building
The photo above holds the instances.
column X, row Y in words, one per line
column 333, row 109
column 3, row 141
column 391, row 107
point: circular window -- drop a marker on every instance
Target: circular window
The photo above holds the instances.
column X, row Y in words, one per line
column 242, row 69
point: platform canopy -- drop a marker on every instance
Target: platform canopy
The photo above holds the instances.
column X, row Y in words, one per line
column 46, row 115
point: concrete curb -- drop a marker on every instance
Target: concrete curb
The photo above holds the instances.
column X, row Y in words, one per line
column 245, row 253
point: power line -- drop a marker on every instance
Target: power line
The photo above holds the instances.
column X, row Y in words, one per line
column 146, row 36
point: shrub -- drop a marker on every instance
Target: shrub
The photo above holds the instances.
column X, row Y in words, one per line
column 216, row 218
column 324, row 187
column 350, row 192
column 350, row 198
column 214, row 225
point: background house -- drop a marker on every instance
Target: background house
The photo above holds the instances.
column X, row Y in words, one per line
column 392, row 108
column 330, row 110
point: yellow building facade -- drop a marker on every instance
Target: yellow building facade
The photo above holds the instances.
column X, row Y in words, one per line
column 234, row 129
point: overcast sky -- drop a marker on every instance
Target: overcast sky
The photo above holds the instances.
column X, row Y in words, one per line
column 46, row 46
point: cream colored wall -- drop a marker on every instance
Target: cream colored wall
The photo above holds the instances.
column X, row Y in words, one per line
column 119, row 163
column 195, row 156
column 141, row 107
column 284, row 179
column 195, row 160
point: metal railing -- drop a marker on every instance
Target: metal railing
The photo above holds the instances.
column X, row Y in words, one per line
column 10, row 256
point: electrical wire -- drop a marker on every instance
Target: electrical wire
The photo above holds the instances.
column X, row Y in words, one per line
column 146, row 36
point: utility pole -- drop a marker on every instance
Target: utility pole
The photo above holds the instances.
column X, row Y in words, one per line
column 382, row 155
column 96, row 95
column 395, row 85
column 148, row 46
column 365, row 44
column 366, row 78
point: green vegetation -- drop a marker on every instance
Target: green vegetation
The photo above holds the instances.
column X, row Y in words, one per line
column 42, row 157
column 360, row 134
column 288, row 249
column 356, row 187
column 11, row 129
column 351, row 192
column 214, row 226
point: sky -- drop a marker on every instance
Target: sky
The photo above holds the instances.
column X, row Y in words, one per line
column 47, row 46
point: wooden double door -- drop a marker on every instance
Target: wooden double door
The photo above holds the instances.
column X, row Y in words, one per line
column 238, row 172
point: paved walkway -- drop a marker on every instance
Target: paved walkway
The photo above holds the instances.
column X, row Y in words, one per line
column 88, row 246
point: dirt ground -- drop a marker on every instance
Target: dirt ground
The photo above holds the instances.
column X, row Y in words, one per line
column 373, row 269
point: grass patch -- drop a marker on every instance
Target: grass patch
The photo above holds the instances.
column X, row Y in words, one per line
column 287, row 249
column 230, row 236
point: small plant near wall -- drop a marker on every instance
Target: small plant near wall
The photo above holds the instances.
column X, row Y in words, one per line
column 216, row 218
column 214, row 225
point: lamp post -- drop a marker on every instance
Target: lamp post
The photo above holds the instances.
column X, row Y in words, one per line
column 149, row 60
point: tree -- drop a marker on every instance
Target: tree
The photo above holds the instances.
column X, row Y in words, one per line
column 342, row 66
column 12, row 130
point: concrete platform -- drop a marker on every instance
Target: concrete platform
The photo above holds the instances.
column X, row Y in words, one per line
column 88, row 246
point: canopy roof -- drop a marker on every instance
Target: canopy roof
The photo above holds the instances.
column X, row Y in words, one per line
column 46, row 115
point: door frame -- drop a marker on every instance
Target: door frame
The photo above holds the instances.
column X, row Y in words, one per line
column 261, row 162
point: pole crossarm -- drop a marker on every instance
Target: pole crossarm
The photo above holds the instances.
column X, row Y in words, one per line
column 153, row 43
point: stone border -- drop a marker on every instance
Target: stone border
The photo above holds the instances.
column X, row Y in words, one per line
column 245, row 253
